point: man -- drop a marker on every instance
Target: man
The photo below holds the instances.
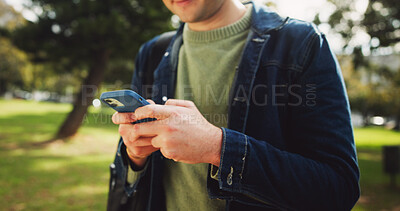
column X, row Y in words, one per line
column 262, row 123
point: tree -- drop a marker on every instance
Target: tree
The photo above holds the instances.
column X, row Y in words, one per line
column 380, row 22
column 393, row 93
column 12, row 60
column 12, row 63
column 88, row 35
column 9, row 18
column 366, row 88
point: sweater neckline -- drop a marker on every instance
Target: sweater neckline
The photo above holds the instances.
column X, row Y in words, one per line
column 239, row 26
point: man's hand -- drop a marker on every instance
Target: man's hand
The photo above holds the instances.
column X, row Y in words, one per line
column 180, row 132
column 138, row 147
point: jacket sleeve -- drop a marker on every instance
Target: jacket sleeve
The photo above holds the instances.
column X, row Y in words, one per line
column 317, row 169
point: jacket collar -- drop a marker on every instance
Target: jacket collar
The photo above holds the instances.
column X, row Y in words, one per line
column 264, row 20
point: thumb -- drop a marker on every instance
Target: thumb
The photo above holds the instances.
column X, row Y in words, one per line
column 181, row 103
column 150, row 101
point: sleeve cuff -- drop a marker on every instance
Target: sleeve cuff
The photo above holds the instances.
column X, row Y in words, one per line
column 233, row 158
column 214, row 171
column 132, row 175
column 125, row 172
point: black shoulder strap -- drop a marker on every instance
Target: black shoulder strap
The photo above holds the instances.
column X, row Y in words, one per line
column 156, row 54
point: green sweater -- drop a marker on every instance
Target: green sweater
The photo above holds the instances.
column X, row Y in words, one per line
column 206, row 70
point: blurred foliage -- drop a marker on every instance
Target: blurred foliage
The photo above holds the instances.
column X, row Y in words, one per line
column 61, row 43
column 12, row 66
column 9, row 18
column 381, row 21
column 12, row 61
column 373, row 88
column 89, row 38
column 16, row 70
column 70, row 33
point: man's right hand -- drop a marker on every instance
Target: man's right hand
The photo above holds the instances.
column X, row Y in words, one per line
column 138, row 147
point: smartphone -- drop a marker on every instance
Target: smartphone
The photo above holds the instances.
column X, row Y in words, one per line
column 125, row 101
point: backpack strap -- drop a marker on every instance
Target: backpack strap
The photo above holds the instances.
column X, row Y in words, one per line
column 156, row 54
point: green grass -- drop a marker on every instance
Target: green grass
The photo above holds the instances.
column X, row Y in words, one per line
column 74, row 175
column 375, row 137
column 376, row 194
column 70, row 176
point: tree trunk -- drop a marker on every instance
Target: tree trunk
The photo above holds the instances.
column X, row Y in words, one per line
column 85, row 96
column 365, row 118
column 397, row 123
column 3, row 87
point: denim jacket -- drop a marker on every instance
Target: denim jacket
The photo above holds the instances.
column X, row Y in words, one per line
column 289, row 142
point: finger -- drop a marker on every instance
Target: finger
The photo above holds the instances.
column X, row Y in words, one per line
column 151, row 101
column 123, row 118
column 130, row 135
column 148, row 129
column 182, row 103
column 142, row 142
column 127, row 132
column 157, row 142
column 170, row 154
column 142, row 151
column 154, row 111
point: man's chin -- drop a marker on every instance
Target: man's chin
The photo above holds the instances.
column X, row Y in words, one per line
column 186, row 18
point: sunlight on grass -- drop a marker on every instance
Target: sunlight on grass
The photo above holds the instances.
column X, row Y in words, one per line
column 375, row 137
column 62, row 176
column 21, row 107
column 49, row 165
column 82, row 190
column 74, row 175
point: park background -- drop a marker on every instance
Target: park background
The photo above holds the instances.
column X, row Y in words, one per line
column 54, row 54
